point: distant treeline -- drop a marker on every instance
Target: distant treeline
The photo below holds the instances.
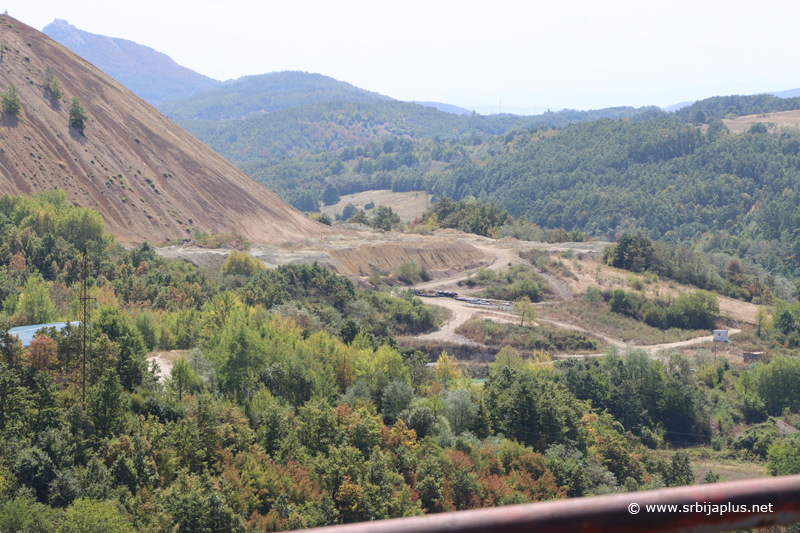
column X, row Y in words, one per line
column 720, row 107
column 328, row 126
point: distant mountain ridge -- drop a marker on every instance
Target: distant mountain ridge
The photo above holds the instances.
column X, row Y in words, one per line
column 153, row 76
column 447, row 108
column 790, row 93
column 674, row 107
column 266, row 93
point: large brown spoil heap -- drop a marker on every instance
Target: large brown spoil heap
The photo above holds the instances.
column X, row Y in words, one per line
column 149, row 179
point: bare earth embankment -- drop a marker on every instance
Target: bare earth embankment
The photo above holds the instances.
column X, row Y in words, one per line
column 451, row 256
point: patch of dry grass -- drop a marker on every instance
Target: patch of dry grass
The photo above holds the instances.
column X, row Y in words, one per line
column 547, row 338
column 407, row 205
column 599, row 318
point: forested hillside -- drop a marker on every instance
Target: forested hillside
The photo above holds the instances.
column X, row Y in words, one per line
column 717, row 191
column 327, row 126
column 671, row 181
column 265, row 93
column 720, row 107
column 294, row 408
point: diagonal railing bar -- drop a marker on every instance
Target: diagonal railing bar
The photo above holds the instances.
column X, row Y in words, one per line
column 739, row 505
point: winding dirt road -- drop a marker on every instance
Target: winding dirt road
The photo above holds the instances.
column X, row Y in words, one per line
column 462, row 312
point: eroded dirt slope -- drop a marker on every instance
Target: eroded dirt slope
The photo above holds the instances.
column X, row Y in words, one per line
column 149, row 179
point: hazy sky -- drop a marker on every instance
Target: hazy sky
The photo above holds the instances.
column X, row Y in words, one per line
column 577, row 54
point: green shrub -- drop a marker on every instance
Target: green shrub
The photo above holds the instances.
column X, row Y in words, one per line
column 321, row 218
column 11, row 102
column 783, row 458
column 424, row 275
column 241, row 264
column 77, row 115
column 408, row 272
column 634, row 282
column 593, row 295
column 52, row 85
column 758, row 438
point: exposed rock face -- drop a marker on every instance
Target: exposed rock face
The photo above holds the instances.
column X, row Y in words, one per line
column 149, row 179
column 148, row 73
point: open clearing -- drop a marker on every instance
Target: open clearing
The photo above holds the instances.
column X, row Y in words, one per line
column 774, row 121
column 165, row 360
column 407, row 205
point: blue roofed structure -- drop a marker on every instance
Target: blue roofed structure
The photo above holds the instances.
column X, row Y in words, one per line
column 26, row 333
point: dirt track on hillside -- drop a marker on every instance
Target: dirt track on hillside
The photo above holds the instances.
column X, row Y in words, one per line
column 452, row 256
column 462, row 312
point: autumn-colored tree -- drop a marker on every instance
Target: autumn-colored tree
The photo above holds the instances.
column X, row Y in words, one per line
column 508, row 356
column 349, row 501
column 400, row 435
column 525, row 309
column 17, row 263
column 43, row 353
column 447, row 369
column 241, row 264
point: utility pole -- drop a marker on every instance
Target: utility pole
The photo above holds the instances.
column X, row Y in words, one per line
column 85, row 322
column 760, row 294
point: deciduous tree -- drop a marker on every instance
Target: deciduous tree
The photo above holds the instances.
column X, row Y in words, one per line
column 525, row 309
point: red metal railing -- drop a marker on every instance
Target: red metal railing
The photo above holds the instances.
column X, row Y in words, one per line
column 777, row 501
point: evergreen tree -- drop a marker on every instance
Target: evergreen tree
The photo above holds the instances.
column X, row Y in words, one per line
column 11, row 102
column 482, row 427
column 77, row 115
column 52, row 84
column 680, row 472
column 330, row 195
column 13, row 400
column 107, row 404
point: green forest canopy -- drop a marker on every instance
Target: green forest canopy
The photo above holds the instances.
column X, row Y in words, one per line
column 296, row 409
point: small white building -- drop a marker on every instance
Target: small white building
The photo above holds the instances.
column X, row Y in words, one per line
column 720, row 335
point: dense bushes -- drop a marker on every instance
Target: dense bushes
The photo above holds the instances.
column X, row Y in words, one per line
column 697, row 310
column 644, row 396
column 468, row 216
column 516, row 282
